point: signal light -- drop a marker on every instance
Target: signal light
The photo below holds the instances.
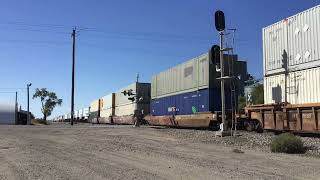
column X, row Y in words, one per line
column 131, row 99
column 220, row 21
column 214, row 54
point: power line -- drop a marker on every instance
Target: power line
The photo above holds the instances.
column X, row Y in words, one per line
column 147, row 36
column 33, row 42
column 37, row 30
column 42, row 25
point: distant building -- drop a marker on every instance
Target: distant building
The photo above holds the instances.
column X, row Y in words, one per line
column 10, row 115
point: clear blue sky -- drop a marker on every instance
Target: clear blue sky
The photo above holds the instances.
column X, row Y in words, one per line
column 123, row 37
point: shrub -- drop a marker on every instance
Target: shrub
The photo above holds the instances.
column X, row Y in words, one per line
column 287, row 143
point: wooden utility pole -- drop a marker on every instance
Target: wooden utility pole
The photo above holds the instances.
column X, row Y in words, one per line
column 73, row 61
column 16, row 109
column 28, row 115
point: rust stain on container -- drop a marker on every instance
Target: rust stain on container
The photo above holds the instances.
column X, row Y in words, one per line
column 123, row 119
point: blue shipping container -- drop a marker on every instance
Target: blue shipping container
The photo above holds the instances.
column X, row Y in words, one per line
column 204, row 100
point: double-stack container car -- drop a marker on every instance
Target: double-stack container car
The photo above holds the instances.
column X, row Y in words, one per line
column 116, row 108
column 188, row 94
column 291, row 58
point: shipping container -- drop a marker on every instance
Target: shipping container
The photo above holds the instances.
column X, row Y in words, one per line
column 186, row 77
column 117, row 108
column 107, row 108
column 7, row 114
column 94, row 111
column 196, row 74
column 293, row 43
column 124, row 106
column 205, row 100
column 301, row 87
column 85, row 113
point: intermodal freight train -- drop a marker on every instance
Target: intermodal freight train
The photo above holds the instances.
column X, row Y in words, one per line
column 187, row 95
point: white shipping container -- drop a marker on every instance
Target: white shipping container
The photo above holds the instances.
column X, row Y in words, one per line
column 106, row 102
column 186, row 77
column 7, row 114
column 302, row 87
column 141, row 89
column 125, row 110
column 85, row 113
column 296, row 37
column 120, row 98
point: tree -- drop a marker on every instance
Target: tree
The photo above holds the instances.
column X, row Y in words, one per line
column 257, row 94
column 49, row 101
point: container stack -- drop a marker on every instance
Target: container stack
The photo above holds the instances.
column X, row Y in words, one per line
column 291, row 56
column 184, row 89
column 117, row 108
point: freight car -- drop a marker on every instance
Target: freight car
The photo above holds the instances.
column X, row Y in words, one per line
column 291, row 58
column 188, row 95
column 117, row 108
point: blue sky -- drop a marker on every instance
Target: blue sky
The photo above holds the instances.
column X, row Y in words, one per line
column 119, row 38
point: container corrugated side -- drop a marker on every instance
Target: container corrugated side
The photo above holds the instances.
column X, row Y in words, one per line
column 125, row 110
column 274, row 89
column 120, row 98
column 204, row 100
column 125, row 107
column 106, row 106
column 107, row 102
column 297, row 36
column 94, row 106
column 181, row 104
column 304, row 38
column 302, row 87
column 275, row 41
column 7, row 114
column 141, row 89
column 186, row 77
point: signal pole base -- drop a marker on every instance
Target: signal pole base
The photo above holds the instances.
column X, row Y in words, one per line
column 223, row 133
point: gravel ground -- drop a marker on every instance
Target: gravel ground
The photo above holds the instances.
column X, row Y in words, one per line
column 124, row 152
column 244, row 140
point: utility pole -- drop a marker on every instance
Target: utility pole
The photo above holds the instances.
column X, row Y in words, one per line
column 16, row 108
column 73, row 61
column 28, row 115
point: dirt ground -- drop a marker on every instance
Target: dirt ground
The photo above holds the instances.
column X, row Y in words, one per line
column 123, row 152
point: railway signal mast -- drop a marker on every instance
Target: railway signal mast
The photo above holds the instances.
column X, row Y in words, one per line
column 133, row 97
column 220, row 26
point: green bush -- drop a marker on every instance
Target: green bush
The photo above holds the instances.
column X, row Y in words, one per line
column 287, row 143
